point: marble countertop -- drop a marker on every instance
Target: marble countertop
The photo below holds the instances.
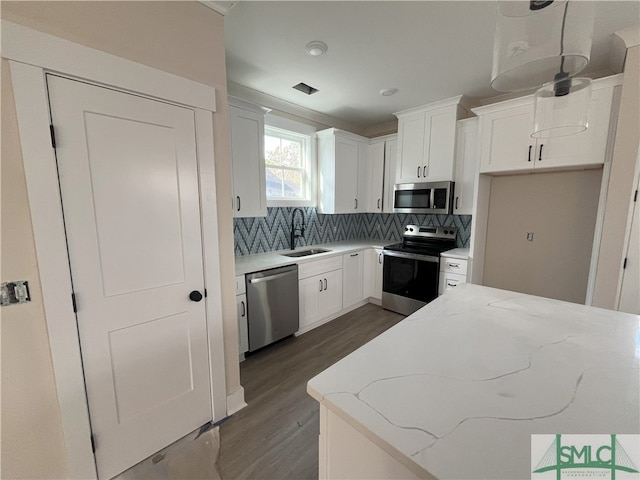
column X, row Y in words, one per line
column 456, row 389
column 262, row 261
column 459, row 253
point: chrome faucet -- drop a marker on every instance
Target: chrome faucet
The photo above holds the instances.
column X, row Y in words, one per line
column 294, row 235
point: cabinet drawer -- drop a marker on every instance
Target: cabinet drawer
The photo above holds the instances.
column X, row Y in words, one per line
column 317, row 267
column 453, row 265
column 240, row 285
column 449, row 281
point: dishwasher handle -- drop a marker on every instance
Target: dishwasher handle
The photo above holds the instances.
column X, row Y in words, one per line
column 270, row 277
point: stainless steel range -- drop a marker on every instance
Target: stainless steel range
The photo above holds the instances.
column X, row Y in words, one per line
column 411, row 268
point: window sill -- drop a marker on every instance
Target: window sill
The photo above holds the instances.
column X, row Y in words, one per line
column 291, row 203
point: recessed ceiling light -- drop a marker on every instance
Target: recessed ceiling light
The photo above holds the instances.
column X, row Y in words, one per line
column 316, row 48
column 387, row 92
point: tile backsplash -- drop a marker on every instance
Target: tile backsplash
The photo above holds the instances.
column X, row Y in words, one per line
column 266, row 234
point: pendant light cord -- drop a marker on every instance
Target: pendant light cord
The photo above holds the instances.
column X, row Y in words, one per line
column 564, row 20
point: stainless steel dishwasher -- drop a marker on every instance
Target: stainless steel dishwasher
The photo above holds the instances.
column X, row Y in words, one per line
column 272, row 305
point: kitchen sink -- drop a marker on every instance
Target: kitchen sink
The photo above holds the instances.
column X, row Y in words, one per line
column 305, row 253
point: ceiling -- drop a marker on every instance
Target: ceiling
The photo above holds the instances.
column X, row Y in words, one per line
column 428, row 50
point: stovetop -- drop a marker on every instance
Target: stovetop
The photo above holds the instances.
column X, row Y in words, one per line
column 426, row 240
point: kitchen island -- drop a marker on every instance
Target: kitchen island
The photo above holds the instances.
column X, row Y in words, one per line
column 456, row 389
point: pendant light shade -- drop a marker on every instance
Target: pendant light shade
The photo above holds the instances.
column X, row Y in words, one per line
column 537, row 39
column 561, row 107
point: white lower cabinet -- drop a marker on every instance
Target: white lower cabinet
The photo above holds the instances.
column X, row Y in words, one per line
column 453, row 271
column 241, row 308
column 352, row 265
column 372, row 282
column 320, row 290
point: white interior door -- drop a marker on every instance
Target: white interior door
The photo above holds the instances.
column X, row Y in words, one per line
column 129, row 185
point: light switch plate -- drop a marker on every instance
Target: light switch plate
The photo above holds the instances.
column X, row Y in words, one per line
column 14, row 292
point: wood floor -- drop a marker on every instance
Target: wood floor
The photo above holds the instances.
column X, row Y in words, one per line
column 276, row 435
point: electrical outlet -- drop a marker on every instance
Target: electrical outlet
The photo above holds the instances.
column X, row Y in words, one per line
column 530, row 236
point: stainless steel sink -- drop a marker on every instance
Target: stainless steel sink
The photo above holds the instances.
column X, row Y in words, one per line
column 305, row 253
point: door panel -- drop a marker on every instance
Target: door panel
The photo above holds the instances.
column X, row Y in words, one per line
column 128, row 177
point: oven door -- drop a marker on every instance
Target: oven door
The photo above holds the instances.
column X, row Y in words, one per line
column 409, row 281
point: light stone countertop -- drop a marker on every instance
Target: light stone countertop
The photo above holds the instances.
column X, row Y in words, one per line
column 263, row 261
column 456, row 389
column 459, row 253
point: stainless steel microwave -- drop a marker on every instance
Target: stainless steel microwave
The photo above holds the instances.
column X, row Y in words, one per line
column 433, row 197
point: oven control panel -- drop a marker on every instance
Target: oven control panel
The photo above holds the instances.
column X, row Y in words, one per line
column 432, row 232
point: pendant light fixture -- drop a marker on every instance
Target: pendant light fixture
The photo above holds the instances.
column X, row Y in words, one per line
column 545, row 42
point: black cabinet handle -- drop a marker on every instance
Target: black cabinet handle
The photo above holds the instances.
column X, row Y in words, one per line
column 529, row 157
column 457, row 198
column 540, row 153
column 424, row 171
column 325, row 283
column 380, row 258
column 320, row 284
column 238, row 203
column 378, row 204
column 244, row 311
column 354, row 254
column 418, row 172
column 195, row 296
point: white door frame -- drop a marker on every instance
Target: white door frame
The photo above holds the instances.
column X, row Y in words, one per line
column 31, row 54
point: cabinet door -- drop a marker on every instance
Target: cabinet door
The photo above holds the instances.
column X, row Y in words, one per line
column 585, row 148
column 466, row 165
column 364, row 188
column 390, row 154
column 375, row 177
column 247, row 151
column 352, row 267
column 243, row 329
column 506, row 143
column 368, row 273
column 346, row 175
column 310, row 291
column 331, row 296
column 439, row 146
column 377, row 278
column 410, row 148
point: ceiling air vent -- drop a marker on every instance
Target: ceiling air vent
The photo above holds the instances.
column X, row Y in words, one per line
column 304, row 88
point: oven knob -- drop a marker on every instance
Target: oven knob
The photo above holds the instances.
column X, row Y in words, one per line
column 446, row 232
column 406, row 229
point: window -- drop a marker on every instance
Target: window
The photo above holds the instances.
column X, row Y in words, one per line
column 289, row 164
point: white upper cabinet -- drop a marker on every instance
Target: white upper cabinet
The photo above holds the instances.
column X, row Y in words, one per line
column 506, row 144
column 342, row 163
column 247, row 151
column 390, row 155
column 426, row 142
column 375, row 177
column 467, row 160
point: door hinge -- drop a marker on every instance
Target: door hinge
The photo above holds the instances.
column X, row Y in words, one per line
column 73, row 301
column 93, row 443
column 53, row 136
column 624, row 264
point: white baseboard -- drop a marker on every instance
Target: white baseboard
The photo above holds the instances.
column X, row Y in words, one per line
column 235, row 401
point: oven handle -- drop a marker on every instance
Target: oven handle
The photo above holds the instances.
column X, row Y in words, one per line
column 412, row 256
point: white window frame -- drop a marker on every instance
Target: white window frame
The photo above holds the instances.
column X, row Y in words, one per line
column 296, row 129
